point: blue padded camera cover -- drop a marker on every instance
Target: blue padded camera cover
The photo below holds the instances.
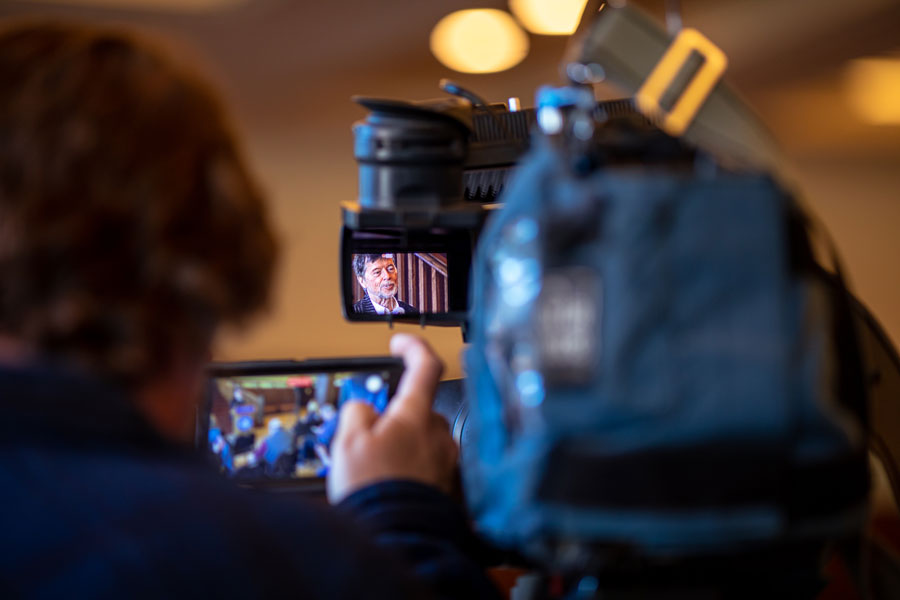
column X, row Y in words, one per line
column 653, row 367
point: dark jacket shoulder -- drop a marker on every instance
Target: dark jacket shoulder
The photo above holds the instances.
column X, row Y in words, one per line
column 408, row 309
column 365, row 306
column 95, row 501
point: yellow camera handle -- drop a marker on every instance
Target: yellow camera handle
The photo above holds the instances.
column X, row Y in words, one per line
column 649, row 96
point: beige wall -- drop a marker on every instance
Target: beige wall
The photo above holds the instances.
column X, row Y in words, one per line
column 859, row 202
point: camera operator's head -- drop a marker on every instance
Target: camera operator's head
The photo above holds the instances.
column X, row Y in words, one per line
column 130, row 228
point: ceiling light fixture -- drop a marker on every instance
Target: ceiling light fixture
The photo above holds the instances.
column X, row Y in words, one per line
column 481, row 40
column 872, row 87
column 548, row 17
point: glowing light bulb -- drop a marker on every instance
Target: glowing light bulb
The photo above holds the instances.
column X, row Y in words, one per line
column 872, row 86
column 548, row 17
column 479, row 40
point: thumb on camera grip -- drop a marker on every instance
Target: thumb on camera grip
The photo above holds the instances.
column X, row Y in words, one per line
column 415, row 393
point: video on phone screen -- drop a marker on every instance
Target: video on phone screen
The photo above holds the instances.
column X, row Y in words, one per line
column 403, row 283
column 281, row 426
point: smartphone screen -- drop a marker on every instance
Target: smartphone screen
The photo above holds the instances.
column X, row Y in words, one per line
column 276, row 422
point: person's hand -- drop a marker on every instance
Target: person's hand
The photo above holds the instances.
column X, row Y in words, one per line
column 409, row 441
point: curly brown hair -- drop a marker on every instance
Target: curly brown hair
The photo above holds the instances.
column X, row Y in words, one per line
column 130, row 228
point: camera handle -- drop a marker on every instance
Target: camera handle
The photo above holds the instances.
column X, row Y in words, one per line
column 675, row 82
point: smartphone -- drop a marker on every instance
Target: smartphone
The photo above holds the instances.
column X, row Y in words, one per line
column 270, row 424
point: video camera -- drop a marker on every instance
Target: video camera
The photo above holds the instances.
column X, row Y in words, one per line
column 657, row 353
column 599, row 381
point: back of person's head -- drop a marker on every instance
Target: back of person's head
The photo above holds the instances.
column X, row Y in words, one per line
column 130, row 228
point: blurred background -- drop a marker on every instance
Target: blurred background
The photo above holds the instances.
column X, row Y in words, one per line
column 824, row 75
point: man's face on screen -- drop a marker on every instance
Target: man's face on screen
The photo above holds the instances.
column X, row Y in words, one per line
column 380, row 279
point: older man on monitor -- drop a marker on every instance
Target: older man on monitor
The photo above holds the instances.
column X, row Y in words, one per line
column 377, row 275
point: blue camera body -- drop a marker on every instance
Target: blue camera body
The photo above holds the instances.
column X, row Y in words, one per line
column 658, row 364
